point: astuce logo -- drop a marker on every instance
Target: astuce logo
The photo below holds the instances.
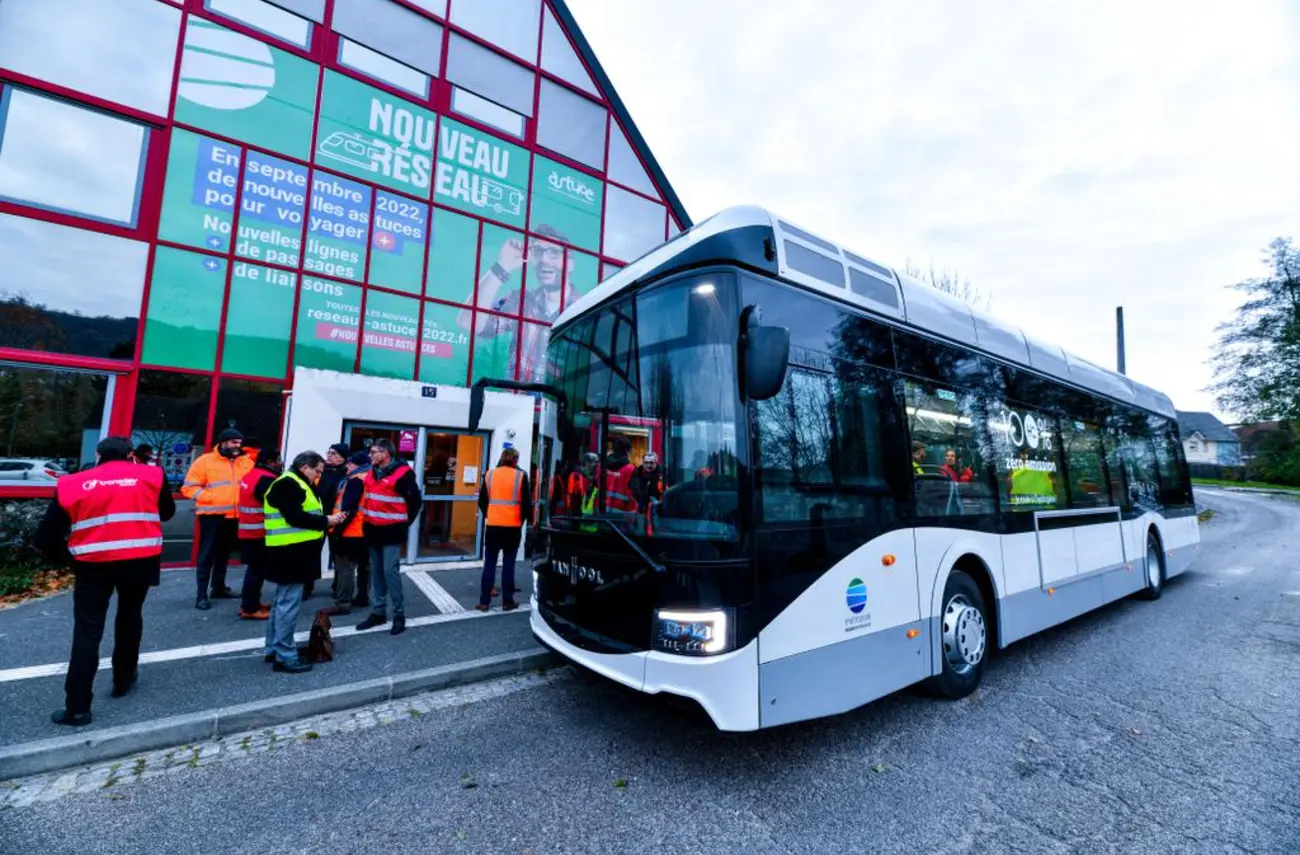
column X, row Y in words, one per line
column 855, row 597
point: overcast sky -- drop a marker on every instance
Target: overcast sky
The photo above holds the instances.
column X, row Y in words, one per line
column 1066, row 158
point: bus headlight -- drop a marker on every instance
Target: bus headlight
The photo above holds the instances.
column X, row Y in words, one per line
column 692, row 633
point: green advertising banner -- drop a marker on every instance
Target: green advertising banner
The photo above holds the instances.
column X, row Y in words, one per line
column 199, row 191
column 494, row 347
column 338, row 228
column 271, row 206
column 502, row 250
column 453, row 248
column 397, row 247
column 328, row 317
column 370, row 134
column 391, row 331
column 481, row 174
column 258, row 320
column 444, row 346
column 245, row 89
column 184, row 315
column 566, row 204
column 584, row 274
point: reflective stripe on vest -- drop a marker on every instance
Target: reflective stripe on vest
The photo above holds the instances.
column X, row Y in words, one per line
column 615, row 498
column 505, row 497
column 381, row 497
column 279, row 532
column 251, row 523
column 354, row 527
column 113, row 508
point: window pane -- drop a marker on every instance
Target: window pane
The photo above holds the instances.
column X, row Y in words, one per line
column 453, row 250
column 266, row 18
column 398, row 244
column 45, row 303
column 199, row 191
column 1175, row 487
column 250, row 407
column 559, row 57
column 171, row 415
column 372, row 135
column 532, row 364
column 271, row 210
column 118, row 50
column 490, row 74
column 495, row 345
column 573, row 126
column 184, row 316
column 633, row 224
column 380, row 67
column 394, row 31
column 328, row 316
column 245, row 89
column 468, row 104
column 544, row 279
column 1081, row 442
column 624, row 166
column 502, row 255
column 444, row 354
column 258, row 321
column 339, row 228
column 388, row 349
column 608, row 269
column 566, row 204
column 45, row 161
column 313, row 9
column 481, row 174
column 583, row 274
column 948, row 463
column 51, row 420
column 1026, row 459
column 510, row 24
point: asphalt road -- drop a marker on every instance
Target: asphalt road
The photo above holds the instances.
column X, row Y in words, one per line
column 1171, row 726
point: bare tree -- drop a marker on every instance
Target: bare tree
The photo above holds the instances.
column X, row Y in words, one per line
column 950, row 282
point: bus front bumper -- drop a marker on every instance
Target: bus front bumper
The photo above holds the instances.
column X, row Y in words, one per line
column 725, row 686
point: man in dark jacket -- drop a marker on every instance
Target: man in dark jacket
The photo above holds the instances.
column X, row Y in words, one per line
column 106, row 521
column 390, row 504
column 295, row 531
column 331, row 481
column 347, row 539
column 647, row 482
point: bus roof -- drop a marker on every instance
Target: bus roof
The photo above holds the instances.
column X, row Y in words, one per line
column 822, row 266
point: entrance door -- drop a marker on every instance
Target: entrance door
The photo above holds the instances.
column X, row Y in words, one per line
column 454, row 465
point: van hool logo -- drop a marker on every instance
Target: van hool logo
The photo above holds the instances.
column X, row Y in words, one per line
column 855, row 597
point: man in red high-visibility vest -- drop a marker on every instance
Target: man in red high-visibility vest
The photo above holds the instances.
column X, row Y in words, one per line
column 504, row 502
column 252, row 532
column 108, row 520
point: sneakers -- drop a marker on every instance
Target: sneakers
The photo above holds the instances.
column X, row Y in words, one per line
column 261, row 614
column 399, row 625
column 372, row 621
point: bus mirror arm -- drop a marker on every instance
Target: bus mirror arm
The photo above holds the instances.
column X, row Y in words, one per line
column 478, row 393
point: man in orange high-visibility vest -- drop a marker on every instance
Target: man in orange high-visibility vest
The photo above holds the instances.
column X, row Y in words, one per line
column 108, row 520
column 213, row 484
column 504, row 502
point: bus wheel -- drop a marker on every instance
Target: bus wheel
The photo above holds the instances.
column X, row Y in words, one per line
column 964, row 641
column 1155, row 570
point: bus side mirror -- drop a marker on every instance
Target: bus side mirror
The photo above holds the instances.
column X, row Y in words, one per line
column 767, row 354
column 477, row 394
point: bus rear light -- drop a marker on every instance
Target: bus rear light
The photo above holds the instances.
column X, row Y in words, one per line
column 913, row 633
column 888, row 560
column 1051, row 591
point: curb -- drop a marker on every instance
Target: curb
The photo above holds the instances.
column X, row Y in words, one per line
column 50, row 755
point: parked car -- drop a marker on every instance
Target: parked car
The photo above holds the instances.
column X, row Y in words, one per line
column 29, row 469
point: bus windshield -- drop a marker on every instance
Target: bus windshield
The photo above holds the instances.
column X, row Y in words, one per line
column 651, row 386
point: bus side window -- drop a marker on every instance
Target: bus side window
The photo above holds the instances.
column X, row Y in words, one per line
column 1027, row 446
column 1175, row 488
column 949, row 464
column 1081, row 444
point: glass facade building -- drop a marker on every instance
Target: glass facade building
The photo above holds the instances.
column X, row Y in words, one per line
column 198, row 196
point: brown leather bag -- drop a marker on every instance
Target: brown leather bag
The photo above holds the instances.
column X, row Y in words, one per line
column 320, row 647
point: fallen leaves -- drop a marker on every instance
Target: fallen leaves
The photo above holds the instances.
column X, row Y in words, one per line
column 30, row 585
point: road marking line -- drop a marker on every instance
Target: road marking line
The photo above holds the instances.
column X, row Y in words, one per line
column 437, row 594
column 203, row 651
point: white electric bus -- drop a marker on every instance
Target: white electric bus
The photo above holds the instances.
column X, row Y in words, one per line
column 865, row 483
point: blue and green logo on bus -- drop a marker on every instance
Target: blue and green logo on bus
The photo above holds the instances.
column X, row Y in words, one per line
column 856, row 596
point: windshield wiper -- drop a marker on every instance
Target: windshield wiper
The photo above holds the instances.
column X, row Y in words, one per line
column 641, row 553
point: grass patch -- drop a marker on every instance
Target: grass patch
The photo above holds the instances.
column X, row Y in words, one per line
column 1254, row 485
column 26, row 583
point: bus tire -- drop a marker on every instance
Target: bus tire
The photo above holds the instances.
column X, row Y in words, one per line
column 1154, row 568
column 963, row 638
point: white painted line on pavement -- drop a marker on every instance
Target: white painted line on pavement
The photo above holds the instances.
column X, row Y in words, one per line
column 437, row 594
column 202, row 651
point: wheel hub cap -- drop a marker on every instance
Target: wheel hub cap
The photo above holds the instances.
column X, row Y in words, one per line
column 964, row 635
column 1153, row 568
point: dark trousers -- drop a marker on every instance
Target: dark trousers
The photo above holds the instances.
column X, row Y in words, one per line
column 254, row 555
column 217, row 537
column 90, row 599
column 503, row 540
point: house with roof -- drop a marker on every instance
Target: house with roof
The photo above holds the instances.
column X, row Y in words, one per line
column 1208, row 440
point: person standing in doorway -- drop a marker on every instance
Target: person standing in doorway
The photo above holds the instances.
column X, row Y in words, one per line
column 108, row 520
column 252, row 533
column 347, row 538
column 295, row 531
column 504, row 502
column 213, row 484
column 389, row 506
